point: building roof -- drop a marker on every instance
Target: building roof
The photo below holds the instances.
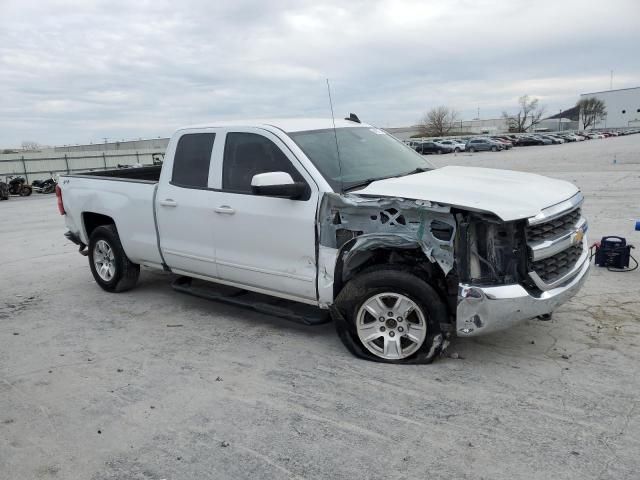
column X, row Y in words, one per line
column 610, row 91
column 572, row 113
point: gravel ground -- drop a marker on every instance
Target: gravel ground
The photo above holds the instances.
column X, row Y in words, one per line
column 152, row 384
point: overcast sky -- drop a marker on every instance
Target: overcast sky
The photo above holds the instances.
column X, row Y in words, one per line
column 78, row 71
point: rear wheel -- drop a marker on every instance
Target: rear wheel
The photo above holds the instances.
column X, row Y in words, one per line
column 110, row 266
column 25, row 191
column 392, row 316
column 439, row 152
column 494, row 149
column 457, row 149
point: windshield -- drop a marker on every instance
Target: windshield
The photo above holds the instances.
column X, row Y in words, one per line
column 366, row 154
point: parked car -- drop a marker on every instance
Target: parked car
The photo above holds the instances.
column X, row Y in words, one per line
column 457, row 145
column 483, row 144
column 526, row 141
column 398, row 251
column 428, row 148
column 506, row 144
column 545, row 141
column 555, row 140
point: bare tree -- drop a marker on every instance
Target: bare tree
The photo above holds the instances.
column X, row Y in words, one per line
column 592, row 111
column 438, row 121
column 529, row 115
column 30, row 145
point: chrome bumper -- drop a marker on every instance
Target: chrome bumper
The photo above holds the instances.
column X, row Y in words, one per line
column 487, row 309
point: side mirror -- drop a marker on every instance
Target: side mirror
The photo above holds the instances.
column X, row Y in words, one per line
column 277, row 184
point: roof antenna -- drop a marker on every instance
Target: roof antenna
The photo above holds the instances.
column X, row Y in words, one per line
column 335, row 135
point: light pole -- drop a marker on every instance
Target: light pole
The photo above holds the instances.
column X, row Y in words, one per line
column 559, row 119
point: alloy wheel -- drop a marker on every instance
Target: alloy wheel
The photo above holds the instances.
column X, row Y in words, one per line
column 391, row 325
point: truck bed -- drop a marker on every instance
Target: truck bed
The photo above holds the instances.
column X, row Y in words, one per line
column 148, row 174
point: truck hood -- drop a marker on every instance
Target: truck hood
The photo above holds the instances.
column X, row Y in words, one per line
column 508, row 194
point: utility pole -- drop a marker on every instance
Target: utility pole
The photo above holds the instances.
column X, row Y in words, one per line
column 559, row 115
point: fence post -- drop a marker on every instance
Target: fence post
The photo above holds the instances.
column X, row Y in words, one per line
column 104, row 159
column 66, row 161
column 24, row 167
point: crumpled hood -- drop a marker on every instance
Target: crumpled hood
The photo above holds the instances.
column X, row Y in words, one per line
column 508, row 194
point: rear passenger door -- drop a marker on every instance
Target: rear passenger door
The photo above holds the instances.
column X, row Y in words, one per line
column 264, row 242
column 184, row 206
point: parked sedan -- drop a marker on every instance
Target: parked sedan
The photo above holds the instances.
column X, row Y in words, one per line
column 555, row 140
column 507, row 144
column 426, row 148
column 527, row 141
column 483, row 144
column 457, row 145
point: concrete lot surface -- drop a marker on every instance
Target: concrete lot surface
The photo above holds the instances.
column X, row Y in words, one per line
column 152, row 384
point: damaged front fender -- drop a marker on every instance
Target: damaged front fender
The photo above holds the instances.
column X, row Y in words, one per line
column 351, row 226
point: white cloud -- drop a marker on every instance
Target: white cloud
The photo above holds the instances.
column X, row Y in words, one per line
column 79, row 71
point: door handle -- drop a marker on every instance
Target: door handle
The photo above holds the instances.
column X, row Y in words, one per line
column 225, row 209
column 168, row 202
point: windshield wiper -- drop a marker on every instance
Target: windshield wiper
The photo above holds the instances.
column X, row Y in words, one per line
column 363, row 183
column 366, row 182
column 417, row 170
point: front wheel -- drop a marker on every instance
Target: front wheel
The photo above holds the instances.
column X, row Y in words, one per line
column 457, row 150
column 25, row 191
column 494, row 149
column 471, row 149
column 439, row 152
column 110, row 266
column 391, row 316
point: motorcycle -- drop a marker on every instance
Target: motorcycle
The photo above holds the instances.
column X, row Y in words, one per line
column 19, row 186
column 45, row 186
column 4, row 191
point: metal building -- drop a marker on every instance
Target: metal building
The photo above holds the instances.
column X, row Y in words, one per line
column 623, row 107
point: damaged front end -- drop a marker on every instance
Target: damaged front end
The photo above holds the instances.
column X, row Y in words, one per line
column 514, row 271
column 356, row 232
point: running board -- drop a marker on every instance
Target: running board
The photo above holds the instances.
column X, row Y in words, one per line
column 277, row 307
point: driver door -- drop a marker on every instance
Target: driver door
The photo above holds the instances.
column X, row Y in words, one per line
column 267, row 243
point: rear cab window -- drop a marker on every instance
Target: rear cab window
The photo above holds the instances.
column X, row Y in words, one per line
column 192, row 160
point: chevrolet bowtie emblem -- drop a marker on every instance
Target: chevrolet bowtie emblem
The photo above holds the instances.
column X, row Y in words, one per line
column 579, row 236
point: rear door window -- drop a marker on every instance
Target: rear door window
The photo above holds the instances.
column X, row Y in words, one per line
column 192, row 160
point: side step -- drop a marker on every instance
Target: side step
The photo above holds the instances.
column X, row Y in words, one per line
column 277, row 307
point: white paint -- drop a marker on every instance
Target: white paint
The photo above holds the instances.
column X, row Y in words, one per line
column 510, row 195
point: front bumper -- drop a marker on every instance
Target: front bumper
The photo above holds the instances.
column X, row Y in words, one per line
column 488, row 309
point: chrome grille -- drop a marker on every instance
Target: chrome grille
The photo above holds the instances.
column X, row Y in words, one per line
column 553, row 228
column 552, row 268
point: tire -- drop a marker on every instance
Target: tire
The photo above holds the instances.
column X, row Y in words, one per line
column 494, row 149
column 105, row 249
column 472, row 149
column 439, row 152
column 25, row 191
column 391, row 342
column 457, row 150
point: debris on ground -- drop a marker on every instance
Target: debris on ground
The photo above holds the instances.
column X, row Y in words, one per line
column 224, row 444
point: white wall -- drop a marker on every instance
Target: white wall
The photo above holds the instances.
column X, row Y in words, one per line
column 618, row 101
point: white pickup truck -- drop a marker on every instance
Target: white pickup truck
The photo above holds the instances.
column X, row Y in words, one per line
column 349, row 219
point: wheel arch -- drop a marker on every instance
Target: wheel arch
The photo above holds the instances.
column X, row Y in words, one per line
column 93, row 220
column 385, row 251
